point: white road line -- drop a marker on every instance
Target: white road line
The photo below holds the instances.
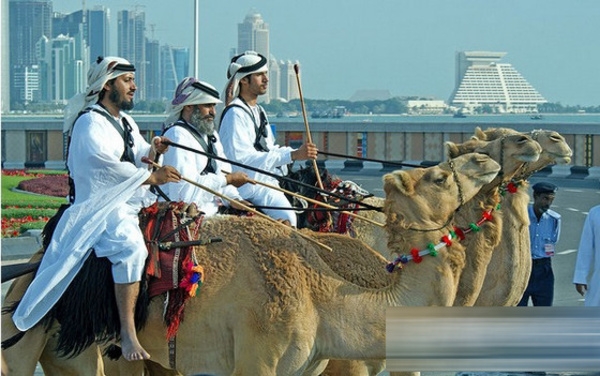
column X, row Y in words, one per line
column 566, row 252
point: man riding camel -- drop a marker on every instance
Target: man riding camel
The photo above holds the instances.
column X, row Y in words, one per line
column 190, row 117
column 247, row 137
column 111, row 186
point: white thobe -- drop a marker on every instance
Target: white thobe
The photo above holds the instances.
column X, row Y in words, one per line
column 191, row 165
column 238, row 134
column 104, row 216
column 587, row 266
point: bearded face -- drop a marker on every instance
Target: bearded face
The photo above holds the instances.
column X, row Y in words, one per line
column 120, row 100
column 205, row 124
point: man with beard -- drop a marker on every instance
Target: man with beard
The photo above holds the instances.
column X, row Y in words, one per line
column 544, row 231
column 191, row 116
column 248, row 138
column 110, row 187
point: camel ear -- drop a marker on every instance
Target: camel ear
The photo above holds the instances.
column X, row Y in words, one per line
column 479, row 134
column 451, row 149
column 398, row 181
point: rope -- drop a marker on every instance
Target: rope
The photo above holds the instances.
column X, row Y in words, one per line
column 370, row 159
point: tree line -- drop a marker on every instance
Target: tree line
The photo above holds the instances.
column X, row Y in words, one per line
column 392, row 106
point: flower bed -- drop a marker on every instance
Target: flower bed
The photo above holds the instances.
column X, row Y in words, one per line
column 22, row 212
column 51, row 185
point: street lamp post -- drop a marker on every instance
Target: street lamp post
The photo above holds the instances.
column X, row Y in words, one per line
column 196, row 39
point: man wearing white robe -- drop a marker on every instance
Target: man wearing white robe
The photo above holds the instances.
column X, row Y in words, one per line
column 247, row 137
column 587, row 267
column 110, row 189
column 191, row 117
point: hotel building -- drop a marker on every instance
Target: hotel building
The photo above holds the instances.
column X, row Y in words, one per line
column 481, row 80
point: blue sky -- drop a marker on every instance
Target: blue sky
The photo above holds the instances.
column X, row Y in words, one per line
column 405, row 46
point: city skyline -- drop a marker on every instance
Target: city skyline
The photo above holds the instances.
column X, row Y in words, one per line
column 407, row 47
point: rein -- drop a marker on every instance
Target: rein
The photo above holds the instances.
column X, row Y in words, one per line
column 461, row 198
column 370, row 160
column 319, row 190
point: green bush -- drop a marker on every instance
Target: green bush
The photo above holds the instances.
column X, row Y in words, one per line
column 38, row 225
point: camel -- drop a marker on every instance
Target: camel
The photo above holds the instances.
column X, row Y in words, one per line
column 511, row 152
column 300, row 308
column 509, row 268
column 37, row 344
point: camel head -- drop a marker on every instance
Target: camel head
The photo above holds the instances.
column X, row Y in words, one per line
column 428, row 197
column 512, row 151
column 554, row 146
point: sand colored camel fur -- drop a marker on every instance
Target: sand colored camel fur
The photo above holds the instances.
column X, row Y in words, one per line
column 37, row 344
column 272, row 304
column 511, row 152
column 509, row 268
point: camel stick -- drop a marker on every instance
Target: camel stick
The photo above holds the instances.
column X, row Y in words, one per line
column 246, row 207
column 316, row 202
column 308, row 136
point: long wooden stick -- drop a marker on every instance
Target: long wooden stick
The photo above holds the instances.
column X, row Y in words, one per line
column 308, row 136
column 246, row 207
column 316, row 202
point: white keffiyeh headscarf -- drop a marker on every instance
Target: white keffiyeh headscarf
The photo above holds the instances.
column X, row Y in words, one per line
column 190, row 91
column 102, row 70
column 243, row 65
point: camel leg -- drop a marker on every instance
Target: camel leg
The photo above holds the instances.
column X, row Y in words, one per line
column 22, row 358
column 126, row 295
column 89, row 362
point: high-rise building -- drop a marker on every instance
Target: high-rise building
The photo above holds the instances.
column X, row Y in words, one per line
column 482, row 81
column 274, row 79
column 29, row 20
column 26, row 83
column 95, row 28
column 64, row 64
column 154, row 71
column 98, row 38
column 5, row 46
column 131, row 44
column 253, row 35
column 175, row 65
column 289, row 84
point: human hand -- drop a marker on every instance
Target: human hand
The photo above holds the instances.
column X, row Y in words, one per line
column 581, row 288
column 165, row 174
column 238, row 178
column 159, row 145
column 306, row 151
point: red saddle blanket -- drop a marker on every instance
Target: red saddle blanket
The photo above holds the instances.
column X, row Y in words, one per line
column 169, row 267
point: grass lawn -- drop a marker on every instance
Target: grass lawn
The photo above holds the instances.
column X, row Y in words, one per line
column 11, row 198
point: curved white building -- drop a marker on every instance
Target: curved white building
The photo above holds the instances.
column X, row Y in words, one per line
column 481, row 80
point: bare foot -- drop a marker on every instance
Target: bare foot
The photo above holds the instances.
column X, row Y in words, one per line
column 132, row 350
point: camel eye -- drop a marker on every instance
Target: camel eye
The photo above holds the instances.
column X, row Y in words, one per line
column 440, row 180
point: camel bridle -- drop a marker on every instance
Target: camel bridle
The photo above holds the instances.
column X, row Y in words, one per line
column 461, row 199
